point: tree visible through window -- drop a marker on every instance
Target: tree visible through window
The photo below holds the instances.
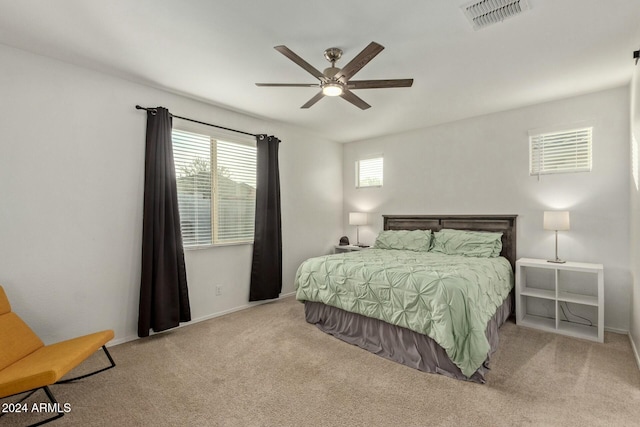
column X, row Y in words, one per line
column 219, row 207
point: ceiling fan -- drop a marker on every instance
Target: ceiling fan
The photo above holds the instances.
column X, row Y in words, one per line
column 336, row 81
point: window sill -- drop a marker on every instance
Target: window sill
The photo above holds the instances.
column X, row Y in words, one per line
column 215, row 245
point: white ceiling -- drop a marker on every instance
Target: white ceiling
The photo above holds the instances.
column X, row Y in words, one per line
column 215, row 50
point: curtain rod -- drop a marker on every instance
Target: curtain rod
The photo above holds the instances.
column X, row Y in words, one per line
column 198, row 121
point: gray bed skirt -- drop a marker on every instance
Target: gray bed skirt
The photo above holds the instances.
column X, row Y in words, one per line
column 400, row 344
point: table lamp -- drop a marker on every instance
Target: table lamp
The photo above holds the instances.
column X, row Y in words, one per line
column 556, row 221
column 357, row 219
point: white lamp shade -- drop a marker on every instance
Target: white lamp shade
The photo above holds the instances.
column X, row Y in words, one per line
column 556, row 220
column 357, row 218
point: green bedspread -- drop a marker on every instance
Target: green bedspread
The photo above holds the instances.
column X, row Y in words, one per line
column 447, row 297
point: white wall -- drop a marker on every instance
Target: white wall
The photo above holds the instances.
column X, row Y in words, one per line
column 635, row 214
column 71, row 190
column 480, row 165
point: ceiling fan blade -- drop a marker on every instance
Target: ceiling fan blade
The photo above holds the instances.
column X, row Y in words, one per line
column 313, row 100
column 301, row 62
column 379, row 84
column 356, row 64
column 349, row 96
column 288, row 84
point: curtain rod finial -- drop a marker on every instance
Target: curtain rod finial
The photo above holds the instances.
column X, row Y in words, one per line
column 148, row 110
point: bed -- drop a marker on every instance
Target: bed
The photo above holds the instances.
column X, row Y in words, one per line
column 427, row 308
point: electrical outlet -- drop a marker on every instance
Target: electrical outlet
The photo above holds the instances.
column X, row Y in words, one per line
column 218, row 290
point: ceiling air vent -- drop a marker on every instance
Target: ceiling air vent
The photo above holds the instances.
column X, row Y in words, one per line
column 487, row 12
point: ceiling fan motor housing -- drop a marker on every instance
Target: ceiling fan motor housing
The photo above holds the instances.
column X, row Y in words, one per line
column 332, row 55
column 329, row 72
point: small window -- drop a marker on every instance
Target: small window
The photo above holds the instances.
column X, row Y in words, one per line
column 634, row 160
column 369, row 172
column 215, row 208
column 560, row 152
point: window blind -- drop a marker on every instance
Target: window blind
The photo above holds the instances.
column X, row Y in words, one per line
column 634, row 160
column 560, row 152
column 236, row 192
column 369, row 172
column 192, row 157
column 214, row 207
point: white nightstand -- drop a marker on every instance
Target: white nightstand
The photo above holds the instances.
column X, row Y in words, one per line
column 348, row 248
column 543, row 290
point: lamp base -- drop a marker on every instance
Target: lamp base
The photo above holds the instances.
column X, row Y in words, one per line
column 557, row 260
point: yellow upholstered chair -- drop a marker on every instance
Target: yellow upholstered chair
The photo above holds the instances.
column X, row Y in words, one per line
column 27, row 365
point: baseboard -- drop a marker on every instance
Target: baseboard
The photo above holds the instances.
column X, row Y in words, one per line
column 635, row 350
column 118, row 341
column 633, row 344
column 616, row 330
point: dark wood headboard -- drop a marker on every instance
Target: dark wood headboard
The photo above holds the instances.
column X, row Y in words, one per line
column 505, row 224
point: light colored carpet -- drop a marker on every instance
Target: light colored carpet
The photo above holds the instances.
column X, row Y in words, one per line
column 266, row 366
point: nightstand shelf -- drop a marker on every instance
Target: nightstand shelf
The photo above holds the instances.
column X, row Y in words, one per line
column 544, row 323
column 348, row 248
column 544, row 290
column 538, row 293
column 578, row 298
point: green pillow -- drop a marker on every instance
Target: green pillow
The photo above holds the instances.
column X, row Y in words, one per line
column 479, row 244
column 414, row 240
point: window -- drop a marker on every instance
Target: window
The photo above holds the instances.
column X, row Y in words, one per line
column 369, row 172
column 634, row 160
column 214, row 207
column 560, row 152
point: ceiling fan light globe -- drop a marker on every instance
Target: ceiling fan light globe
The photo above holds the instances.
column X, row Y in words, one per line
column 332, row 89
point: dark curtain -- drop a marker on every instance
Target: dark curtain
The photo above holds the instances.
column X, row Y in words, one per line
column 266, row 269
column 164, row 298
